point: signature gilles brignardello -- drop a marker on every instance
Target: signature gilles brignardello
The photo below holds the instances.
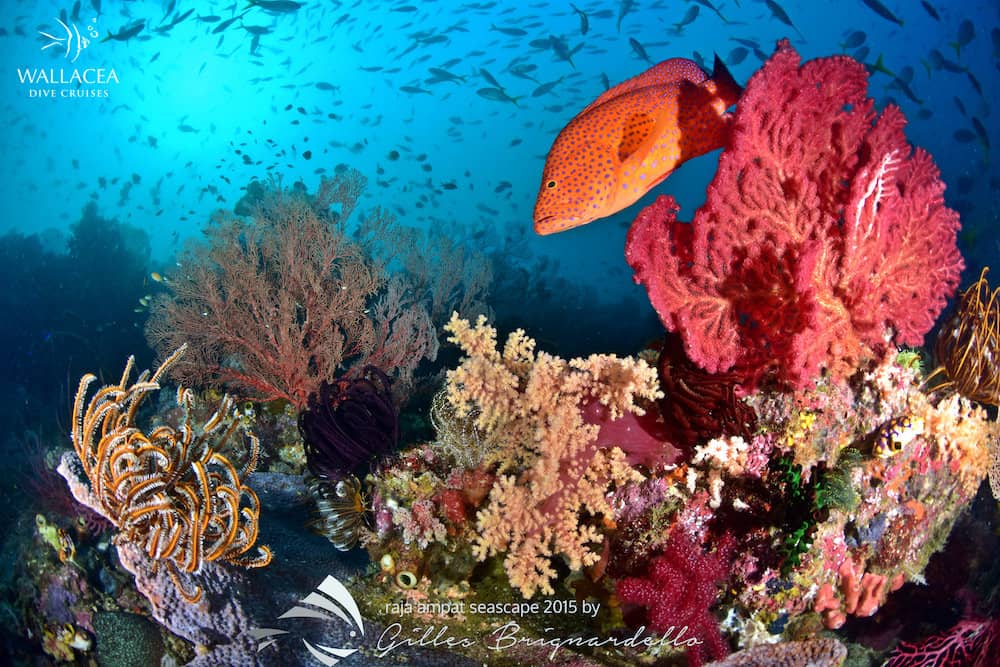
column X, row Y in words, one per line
column 508, row 636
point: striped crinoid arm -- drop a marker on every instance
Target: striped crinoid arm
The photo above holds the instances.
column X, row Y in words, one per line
column 968, row 346
column 246, row 535
column 99, row 424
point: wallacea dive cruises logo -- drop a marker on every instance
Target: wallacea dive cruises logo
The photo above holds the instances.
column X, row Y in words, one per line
column 61, row 82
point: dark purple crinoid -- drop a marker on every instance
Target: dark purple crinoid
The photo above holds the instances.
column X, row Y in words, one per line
column 349, row 422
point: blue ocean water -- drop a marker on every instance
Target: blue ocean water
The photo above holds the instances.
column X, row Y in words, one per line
column 194, row 106
column 169, row 124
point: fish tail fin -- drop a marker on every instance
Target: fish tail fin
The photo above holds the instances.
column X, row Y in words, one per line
column 879, row 66
column 885, row 70
column 725, row 85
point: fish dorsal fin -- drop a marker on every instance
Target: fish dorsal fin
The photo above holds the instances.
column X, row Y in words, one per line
column 703, row 126
column 668, row 71
column 636, row 131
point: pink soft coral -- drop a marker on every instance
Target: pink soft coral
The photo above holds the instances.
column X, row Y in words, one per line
column 824, row 234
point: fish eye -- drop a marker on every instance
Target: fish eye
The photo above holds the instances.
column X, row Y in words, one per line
column 550, row 185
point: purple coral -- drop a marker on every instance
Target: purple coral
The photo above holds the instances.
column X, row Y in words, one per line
column 348, row 423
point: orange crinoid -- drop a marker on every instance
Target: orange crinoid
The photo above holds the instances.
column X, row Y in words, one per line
column 168, row 491
column 968, row 347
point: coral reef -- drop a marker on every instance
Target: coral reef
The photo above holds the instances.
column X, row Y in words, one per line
column 838, row 497
column 770, row 474
column 421, row 541
column 856, row 550
column 823, row 235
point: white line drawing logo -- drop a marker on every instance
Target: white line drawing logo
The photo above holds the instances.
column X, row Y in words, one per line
column 338, row 601
column 73, row 36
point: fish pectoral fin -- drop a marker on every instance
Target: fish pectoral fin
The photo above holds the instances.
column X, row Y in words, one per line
column 636, row 131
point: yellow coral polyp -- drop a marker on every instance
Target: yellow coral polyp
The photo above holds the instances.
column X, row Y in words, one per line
column 799, row 429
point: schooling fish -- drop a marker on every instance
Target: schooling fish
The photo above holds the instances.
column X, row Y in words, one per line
column 966, row 33
column 584, row 21
column 276, row 7
column 883, row 11
column 692, row 14
column 930, row 10
column 126, row 32
column 630, row 139
column 639, row 49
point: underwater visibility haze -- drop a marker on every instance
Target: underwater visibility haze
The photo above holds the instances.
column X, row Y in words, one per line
column 642, row 332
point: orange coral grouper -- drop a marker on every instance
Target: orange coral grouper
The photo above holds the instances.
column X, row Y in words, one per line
column 631, row 138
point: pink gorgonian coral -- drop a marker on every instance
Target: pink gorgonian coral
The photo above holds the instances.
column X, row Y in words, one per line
column 970, row 642
column 823, row 236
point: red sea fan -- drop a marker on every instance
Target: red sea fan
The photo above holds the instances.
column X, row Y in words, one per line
column 969, row 643
column 823, row 235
